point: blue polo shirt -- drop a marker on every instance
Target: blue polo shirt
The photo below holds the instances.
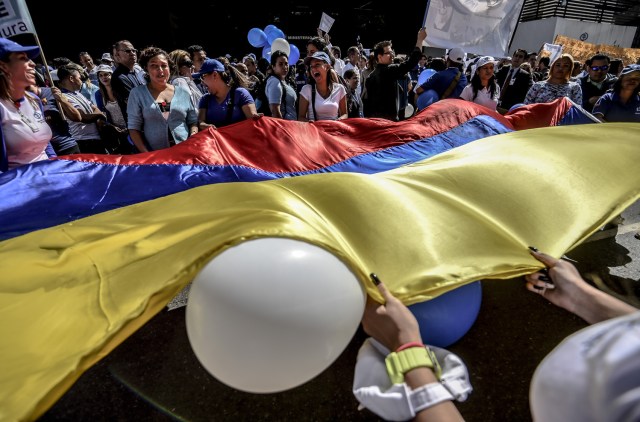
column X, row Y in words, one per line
column 612, row 110
column 217, row 113
column 440, row 81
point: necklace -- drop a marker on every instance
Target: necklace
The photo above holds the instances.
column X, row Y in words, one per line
column 25, row 119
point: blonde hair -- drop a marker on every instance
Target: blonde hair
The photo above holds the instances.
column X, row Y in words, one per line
column 567, row 57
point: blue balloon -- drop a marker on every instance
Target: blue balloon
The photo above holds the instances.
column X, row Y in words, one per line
column 448, row 317
column 269, row 28
column 257, row 38
column 266, row 52
column 294, row 54
column 274, row 33
column 427, row 98
column 424, row 75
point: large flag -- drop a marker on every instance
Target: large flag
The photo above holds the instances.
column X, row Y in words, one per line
column 15, row 19
column 430, row 204
column 483, row 27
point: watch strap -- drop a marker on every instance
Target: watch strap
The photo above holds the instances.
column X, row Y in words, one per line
column 399, row 363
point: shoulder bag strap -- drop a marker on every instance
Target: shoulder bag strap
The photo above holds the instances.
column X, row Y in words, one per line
column 231, row 106
column 452, row 86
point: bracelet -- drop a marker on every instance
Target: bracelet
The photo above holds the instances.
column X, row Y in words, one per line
column 410, row 344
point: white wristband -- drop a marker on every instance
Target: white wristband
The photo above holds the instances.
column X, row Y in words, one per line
column 428, row 395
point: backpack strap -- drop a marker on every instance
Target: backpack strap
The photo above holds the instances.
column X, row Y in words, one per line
column 313, row 102
column 231, row 106
column 4, row 161
column 454, row 82
column 283, row 100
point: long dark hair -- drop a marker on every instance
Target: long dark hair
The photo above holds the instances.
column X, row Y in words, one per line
column 233, row 77
column 476, row 85
column 617, row 86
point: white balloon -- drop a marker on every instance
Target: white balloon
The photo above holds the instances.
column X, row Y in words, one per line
column 408, row 111
column 270, row 314
column 282, row 45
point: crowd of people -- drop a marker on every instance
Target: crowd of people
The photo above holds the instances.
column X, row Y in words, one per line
column 137, row 101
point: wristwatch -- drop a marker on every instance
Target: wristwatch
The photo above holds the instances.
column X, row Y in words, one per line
column 399, row 363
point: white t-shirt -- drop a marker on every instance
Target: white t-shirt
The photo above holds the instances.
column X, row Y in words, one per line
column 327, row 108
column 483, row 98
column 25, row 138
column 593, row 375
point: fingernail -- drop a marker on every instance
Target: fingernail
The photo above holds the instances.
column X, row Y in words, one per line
column 533, row 248
column 375, row 279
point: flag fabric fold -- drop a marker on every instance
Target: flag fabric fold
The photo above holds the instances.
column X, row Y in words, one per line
column 51, row 193
column 73, row 290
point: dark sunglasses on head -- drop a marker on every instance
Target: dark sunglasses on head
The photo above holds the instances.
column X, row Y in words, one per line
column 596, row 68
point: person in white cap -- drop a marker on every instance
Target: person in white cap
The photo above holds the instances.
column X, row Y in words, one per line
column 594, row 374
column 24, row 133
column 483, row 88
column 107, row 60
column 447, row 83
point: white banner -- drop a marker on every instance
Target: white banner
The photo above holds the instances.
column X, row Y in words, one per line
column 326, row 22
column 554, row 51
column 15, row 18
column 482, row 27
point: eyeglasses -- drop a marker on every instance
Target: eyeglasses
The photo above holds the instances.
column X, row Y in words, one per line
column 390, row 52
column 130, row 51
column 596, row 68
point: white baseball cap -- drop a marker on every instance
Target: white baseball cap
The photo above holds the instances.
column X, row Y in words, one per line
column 457, row 55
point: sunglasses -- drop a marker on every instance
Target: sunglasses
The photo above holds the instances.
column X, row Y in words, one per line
column 596, row 68
column 130, row 51
column 187, row 63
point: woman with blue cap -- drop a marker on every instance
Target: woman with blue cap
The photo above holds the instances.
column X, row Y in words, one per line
column 622, row 104
column 24, row 133
column 228, row 100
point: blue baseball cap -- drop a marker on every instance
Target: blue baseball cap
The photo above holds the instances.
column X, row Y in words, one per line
column 318, row 55
column 209, row 65
column 7, row 47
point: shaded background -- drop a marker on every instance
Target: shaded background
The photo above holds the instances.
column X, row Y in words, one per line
column 220, row 27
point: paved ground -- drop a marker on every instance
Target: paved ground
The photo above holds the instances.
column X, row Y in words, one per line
column 154, row 375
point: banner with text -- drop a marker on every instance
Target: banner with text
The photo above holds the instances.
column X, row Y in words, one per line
column 15, row 18
column 482, row 27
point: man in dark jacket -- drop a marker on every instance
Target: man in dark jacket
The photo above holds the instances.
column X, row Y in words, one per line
column 514, row 82
column 381, row 96
column 597, row 81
